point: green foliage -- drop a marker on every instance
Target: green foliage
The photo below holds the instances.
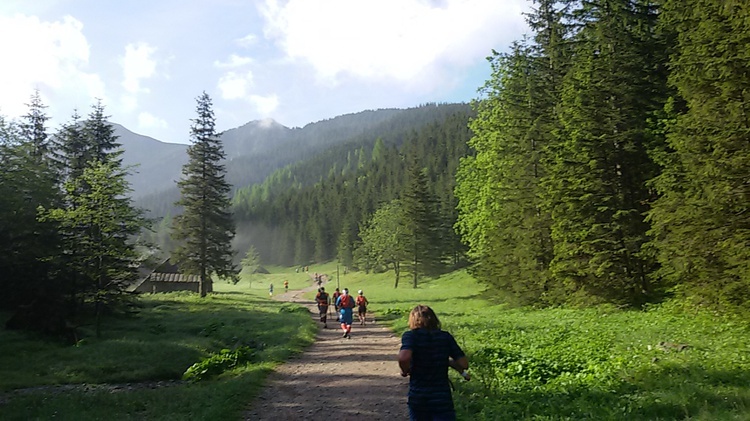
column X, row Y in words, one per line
column 421, row 224
column 219, row 363
column 385, row 240
column 251, row 262
column 28, row 247
column 700, row 223
column 595, row 363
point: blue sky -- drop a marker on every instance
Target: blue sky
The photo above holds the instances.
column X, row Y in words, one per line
column 295, row 61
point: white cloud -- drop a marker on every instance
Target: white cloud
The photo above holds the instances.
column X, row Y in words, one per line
column 265, row 105
column 149, row 121
column 137, row 64
column 247, row 41
column 233, row 85
column 49, row 56
column 401, row 40
column 233, row 62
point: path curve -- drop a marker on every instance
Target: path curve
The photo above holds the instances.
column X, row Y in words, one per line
column 336, row 378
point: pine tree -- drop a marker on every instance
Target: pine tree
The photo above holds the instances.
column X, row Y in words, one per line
column 69, row 149
column 420, row 218
column 99, row 136
column 251, row 262
column 597, row 185
column 105, row 222
column 701, row 219
column 205, row 229
column 34, row 129
column 503, row 216
column 27, row 246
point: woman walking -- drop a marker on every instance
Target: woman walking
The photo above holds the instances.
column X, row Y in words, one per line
column 425, row 355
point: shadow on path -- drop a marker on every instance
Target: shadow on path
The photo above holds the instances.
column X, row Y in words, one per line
column 336, row 378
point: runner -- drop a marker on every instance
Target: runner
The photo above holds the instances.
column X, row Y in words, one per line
column 362, row 307
column 426, row 354
column 335, row 301
column 270, row 290
column 286, row 286
column 321, row 298
column 346, row 303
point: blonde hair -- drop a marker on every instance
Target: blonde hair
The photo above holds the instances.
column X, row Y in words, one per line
column 423, row 317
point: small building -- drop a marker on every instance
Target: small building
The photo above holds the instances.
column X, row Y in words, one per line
column 166, row 277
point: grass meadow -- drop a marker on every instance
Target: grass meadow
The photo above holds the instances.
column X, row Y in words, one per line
column 667, row 362
column 157, row 343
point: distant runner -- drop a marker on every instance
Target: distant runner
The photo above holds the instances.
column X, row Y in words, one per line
column 362, row 307
column 322, row 299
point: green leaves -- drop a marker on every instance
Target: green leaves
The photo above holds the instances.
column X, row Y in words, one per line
column 219, row 363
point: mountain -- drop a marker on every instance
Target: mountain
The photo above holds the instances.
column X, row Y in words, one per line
column 154, row 165
column 257, row 149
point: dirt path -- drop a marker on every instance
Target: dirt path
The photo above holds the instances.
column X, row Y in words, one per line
column 336, row 378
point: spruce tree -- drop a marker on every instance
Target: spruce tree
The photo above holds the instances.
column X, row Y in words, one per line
column 28, row 247
column 97, row 219
column 33, row 127
column 205, row 228
column 599, row 167
column 421, row 220
column 104, row 222
column 701, row 223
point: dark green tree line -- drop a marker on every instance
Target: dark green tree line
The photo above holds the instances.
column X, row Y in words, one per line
column 701, row 220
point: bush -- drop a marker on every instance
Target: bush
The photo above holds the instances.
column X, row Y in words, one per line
column 216, row 364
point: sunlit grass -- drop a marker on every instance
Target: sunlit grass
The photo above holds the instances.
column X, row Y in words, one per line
column 554, row 364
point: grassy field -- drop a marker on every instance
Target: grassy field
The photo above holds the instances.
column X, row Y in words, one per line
column 664, row 363
column 552, row 364
column 168, row 334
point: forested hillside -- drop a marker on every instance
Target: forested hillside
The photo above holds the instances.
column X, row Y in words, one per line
column 258, row 148
column 313, row 210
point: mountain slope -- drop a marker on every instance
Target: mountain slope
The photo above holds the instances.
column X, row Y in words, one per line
column 155, row 165
column 258, row 148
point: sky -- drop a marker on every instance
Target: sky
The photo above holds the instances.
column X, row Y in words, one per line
column 293, row 61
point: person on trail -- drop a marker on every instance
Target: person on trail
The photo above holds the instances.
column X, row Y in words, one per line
column 320, row 279
column 335, row 300
column 321, row 298
column 425, row 355
column 286, row 286
column 362, row 307
column 345, row 303
column 270, row 290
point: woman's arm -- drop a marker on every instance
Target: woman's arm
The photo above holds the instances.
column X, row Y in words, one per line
column 404, row 362
column 460, row 365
